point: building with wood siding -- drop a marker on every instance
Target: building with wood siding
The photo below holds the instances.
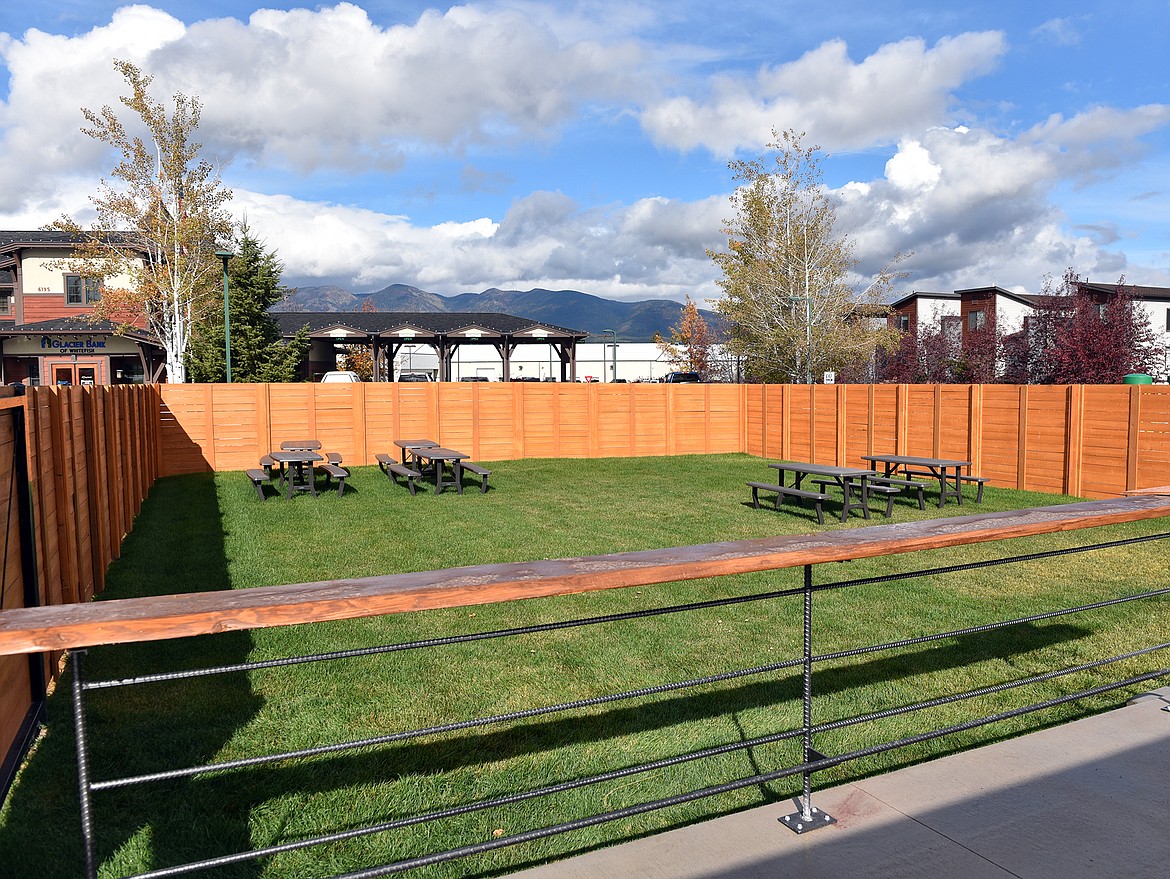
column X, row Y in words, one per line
column 47, row 331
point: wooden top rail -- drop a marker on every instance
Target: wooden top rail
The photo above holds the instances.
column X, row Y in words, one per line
column 31, row 630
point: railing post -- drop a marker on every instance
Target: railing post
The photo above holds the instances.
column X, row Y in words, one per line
column 808, row 818
column 85, row 794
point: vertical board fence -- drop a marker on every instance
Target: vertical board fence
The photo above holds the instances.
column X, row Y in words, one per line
column 85, row 459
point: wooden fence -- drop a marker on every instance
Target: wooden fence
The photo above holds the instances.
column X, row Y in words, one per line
column 93, row 453
column 90, row 458
column 228, row 427
column 1084, row 440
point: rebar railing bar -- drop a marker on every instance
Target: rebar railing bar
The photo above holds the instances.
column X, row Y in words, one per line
column 481, row 806
column 599, row 700
column 455, row 726
column 607, row 618
column 728, row 787
column 991, row 563
column 535, row 628
column 85, row 788
column 613, row 775
column 984, row 691
column 987, row 627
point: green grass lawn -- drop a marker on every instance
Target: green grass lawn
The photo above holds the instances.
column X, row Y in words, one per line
column 209, row 532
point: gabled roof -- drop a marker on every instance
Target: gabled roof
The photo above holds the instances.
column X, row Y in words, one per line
column 1145, row 294
column 919, row 294
column 1022, row 298
column 374, row 323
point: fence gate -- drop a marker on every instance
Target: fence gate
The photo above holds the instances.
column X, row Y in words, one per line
column 22, row 677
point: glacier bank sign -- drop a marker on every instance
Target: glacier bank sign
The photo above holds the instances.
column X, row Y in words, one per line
column 72, row 346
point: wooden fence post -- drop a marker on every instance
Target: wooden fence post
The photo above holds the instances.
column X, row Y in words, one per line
column 975, row 429
column 938, row 422
column 842, row 423
column 1022, row 440
column 902, row 420
column 1133, row 448
column 1074, row 440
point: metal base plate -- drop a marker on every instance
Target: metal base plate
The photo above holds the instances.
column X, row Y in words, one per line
column 797, row 823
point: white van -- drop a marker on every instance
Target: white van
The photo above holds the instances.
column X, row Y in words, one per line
column 341, row 375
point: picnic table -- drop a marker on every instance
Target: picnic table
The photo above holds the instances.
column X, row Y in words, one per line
column 853, row 482
column 939, row 468
column 408, row 446
column 437, row 458
column 296, row 469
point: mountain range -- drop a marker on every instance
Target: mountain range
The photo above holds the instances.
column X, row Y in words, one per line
column 633, row 321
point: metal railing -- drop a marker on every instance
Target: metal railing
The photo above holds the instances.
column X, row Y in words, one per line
column 806, row 818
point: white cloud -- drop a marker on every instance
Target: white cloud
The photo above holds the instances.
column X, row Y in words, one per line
column 1061, row 31
column 280, row 93
column 842, row 104
column 655, row 247
column 976, row 208
column 506, row 80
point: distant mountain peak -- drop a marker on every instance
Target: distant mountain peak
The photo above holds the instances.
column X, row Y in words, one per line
column 572, row 309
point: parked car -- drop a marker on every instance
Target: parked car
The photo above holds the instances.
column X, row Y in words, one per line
column 341, row 375
column 672, row 377
column 416, row 377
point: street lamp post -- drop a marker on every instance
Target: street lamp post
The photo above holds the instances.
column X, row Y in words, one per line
column 225, row 255
column 613, row 377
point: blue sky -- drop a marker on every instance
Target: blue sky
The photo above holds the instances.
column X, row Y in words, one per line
column 585, row 145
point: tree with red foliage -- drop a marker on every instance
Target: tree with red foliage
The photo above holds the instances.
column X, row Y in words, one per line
column 931, row 356
column 1079, row 336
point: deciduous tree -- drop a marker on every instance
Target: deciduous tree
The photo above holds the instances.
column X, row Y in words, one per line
column 159, row 220
column 1078, row 336
column 792, row 311
column 690, row 344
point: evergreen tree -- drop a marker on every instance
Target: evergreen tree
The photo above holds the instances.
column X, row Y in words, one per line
column 258, row 352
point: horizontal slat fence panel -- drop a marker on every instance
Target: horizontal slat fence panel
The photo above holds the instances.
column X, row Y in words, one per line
column 1088, row 440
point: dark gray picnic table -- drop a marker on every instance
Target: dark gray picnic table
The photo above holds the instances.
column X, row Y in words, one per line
column 296, row 467
column 853, row 481
column 939, row 468
column 439, row 458
column 408, row 446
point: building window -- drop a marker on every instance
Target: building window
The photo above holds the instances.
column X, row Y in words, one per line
column 1168, row 320
column 976, row 320
column 82, row 291
column 1101, row 311
column 6, row 297
column 903, row 322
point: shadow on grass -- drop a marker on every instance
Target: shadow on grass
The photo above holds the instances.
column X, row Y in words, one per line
column 177, row 545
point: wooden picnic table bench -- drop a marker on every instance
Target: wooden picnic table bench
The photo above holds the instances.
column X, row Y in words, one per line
column 393, row 470
column 482, row 472
column 783, row 491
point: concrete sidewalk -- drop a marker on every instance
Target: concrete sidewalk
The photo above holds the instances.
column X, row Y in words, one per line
column 1089, row 798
